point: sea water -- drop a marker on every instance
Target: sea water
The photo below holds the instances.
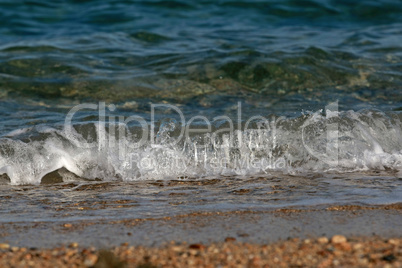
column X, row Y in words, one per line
column 152, row 108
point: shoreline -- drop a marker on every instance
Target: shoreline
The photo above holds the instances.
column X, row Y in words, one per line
column 210, row 227
column 372, row 233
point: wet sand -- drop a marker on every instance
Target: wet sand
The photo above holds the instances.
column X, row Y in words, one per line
column 287, row 237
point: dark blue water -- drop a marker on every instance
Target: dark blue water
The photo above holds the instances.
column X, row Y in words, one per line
column 298, row 54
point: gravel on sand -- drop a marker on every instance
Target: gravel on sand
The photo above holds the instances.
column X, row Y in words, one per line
column 336, row 251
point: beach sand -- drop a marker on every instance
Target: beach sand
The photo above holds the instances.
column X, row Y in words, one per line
column 338, row 251
column 333, row 236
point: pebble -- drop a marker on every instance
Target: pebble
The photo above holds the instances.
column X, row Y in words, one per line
column 357, row 246
column 344, row 246
column 73, row 245
column 176, row 248
column 337, row 239
column 197, row 246
column 256, row 261
column 193, row 251
column 323, row 240
column 90, row 260
column 230, row 239
column 4, row 246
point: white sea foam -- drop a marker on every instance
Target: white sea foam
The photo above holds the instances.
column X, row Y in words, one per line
column 366, row 140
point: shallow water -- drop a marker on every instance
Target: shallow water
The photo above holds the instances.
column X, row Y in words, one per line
column 320, row 81
column 69, row 202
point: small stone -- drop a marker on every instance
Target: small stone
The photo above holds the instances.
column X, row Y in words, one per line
column 357, row 246
column 68, row 225
column 90, row 260
column 28, row 256
column 193, row 252
column 230, row 239
column 337, row 239
column 14, row 249
column 325, row 263
column 323, row 240
column 393, row 242
column 4, row 246
column 69, row 253
column 176, row 248
column 73, row 245
column 196, row 246
column 389, row 258
column 256, row 261
column 345, row 246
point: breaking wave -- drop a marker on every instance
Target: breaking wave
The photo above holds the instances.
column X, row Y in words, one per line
column 315, row 142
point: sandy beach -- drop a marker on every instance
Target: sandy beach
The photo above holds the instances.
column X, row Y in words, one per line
column 338, row 251
column 333, row 236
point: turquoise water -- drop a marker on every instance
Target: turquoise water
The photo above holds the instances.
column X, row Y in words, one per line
column 306, row 89
column 281, row 56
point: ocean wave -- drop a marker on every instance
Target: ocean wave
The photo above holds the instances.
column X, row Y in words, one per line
column 324, row 141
